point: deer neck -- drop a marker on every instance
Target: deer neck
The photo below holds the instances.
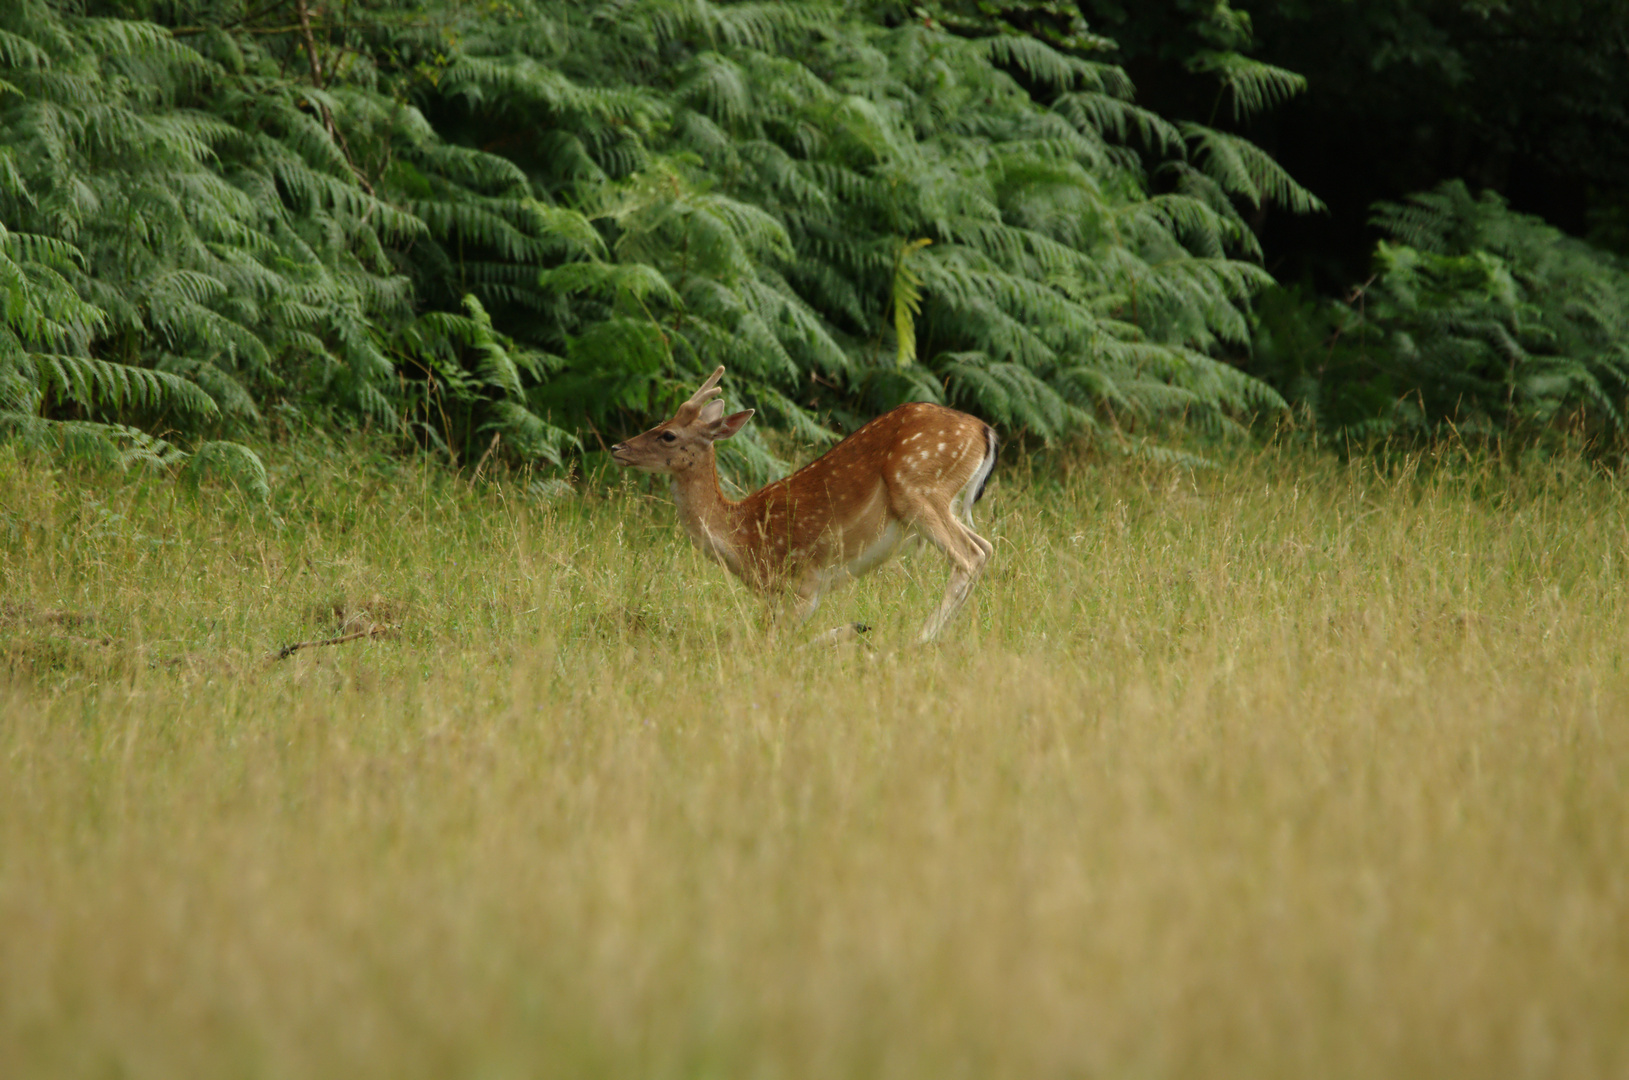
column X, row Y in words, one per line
column 705, row 514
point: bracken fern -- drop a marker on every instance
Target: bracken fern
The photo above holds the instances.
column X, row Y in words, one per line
column 518, row 225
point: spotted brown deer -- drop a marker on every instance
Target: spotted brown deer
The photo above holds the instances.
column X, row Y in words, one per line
column 913, row 472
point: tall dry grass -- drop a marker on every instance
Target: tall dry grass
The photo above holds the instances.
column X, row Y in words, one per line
column 1295, row 769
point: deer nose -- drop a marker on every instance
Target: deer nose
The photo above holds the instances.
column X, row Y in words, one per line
column 617, row 447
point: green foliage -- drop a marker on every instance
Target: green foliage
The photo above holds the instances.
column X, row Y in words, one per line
column 505, row 228
column 104, row 445
column 476, row 372
column 1476, row 317
column 196, row 231
column 229, row 464
column 1055, row 292
column 1497, row 316
column 1320, row 355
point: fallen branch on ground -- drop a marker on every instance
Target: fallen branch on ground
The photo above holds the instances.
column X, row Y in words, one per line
column 377, row 630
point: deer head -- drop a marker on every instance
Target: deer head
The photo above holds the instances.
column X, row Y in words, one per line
column 686, row 441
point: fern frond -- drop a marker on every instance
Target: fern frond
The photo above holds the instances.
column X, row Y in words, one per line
column 1245, row 170
column 1253, row 86
column 907, row 299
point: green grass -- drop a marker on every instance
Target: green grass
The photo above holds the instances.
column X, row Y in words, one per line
column 1290, row 769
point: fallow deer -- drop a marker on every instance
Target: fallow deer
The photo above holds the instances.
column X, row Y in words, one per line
column 913, row 472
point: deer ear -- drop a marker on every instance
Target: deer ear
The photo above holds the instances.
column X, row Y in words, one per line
column 728, row 426
column 710, row 413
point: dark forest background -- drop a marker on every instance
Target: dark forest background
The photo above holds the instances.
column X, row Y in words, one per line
column 1529, row 99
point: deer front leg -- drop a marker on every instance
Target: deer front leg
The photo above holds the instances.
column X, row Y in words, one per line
column 789, row 605
column 804, row 597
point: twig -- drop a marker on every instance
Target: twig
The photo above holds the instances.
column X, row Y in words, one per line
column 327, row 115
column 289, row 650
column 246, row 17
column 598, row 437
column 272, row 31
column 479, row 465
column 310, row 43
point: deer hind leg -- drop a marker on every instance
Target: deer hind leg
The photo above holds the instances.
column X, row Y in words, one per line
column 967, row 552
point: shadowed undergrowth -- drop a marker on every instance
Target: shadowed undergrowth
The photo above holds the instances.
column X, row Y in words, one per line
column 1290, row 769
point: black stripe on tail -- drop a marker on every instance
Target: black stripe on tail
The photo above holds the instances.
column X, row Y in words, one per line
column 994, row 445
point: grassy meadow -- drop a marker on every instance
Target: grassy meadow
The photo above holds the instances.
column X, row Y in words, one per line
column 1289, row 768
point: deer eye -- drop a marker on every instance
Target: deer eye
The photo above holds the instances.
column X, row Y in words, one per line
column 668, row 436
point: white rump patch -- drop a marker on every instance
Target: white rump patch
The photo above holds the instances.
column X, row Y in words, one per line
column 970, row 492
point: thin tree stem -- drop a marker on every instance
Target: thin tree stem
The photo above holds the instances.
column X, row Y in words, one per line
column 310, row 45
